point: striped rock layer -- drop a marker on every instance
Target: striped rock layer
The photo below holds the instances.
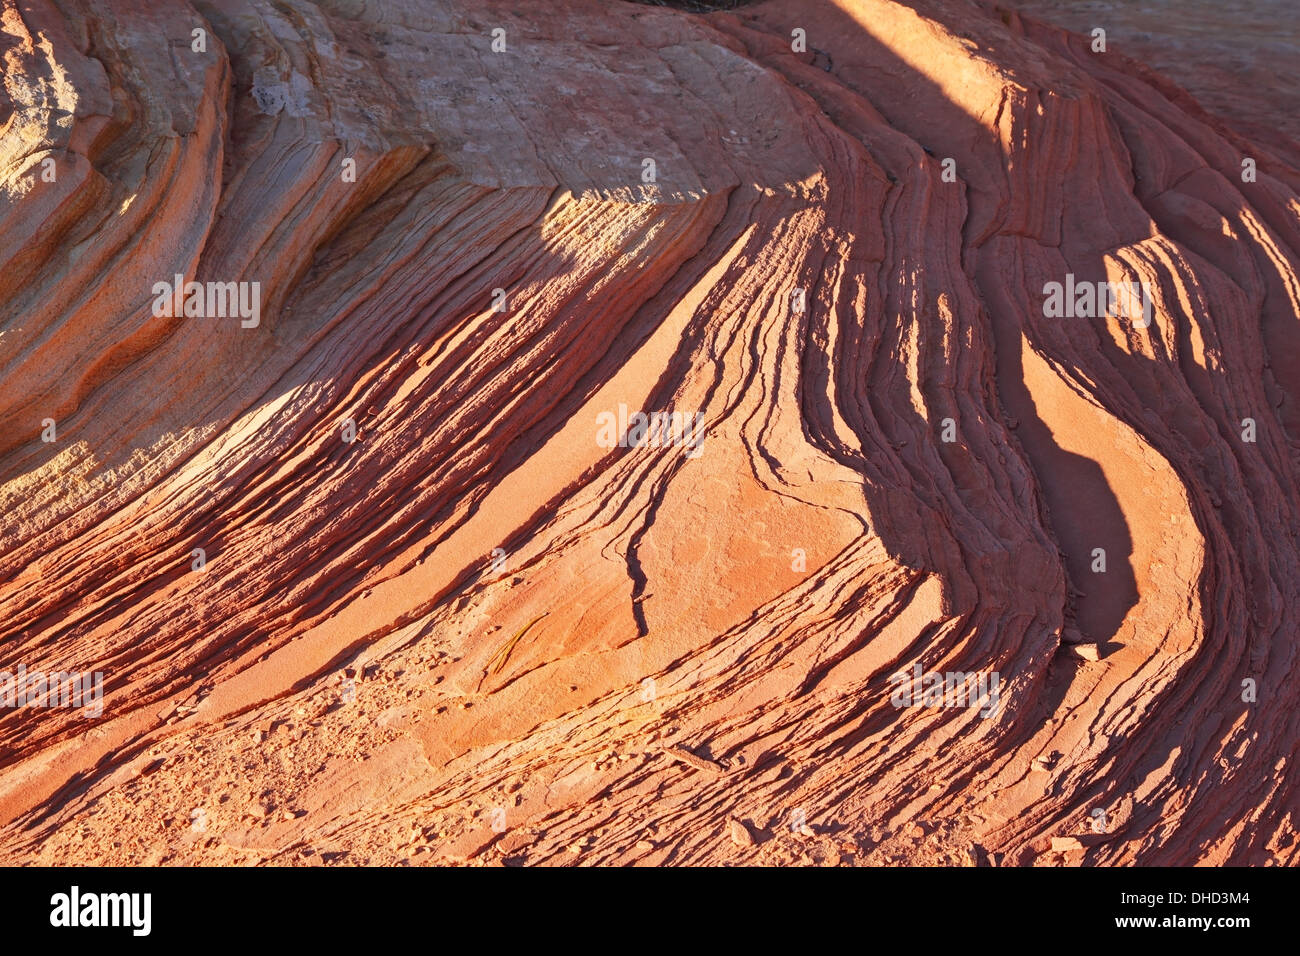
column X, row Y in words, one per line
column 362, row 580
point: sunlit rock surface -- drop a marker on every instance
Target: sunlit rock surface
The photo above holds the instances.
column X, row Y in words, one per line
column 390, row 569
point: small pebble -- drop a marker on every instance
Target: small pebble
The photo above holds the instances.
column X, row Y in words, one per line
column 740, row 834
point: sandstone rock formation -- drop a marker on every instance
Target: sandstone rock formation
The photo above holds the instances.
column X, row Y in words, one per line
column 365, row 584
column 1237, row 59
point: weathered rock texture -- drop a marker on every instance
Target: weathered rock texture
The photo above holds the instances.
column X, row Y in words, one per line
column 672, row 658
column 1238, row 59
